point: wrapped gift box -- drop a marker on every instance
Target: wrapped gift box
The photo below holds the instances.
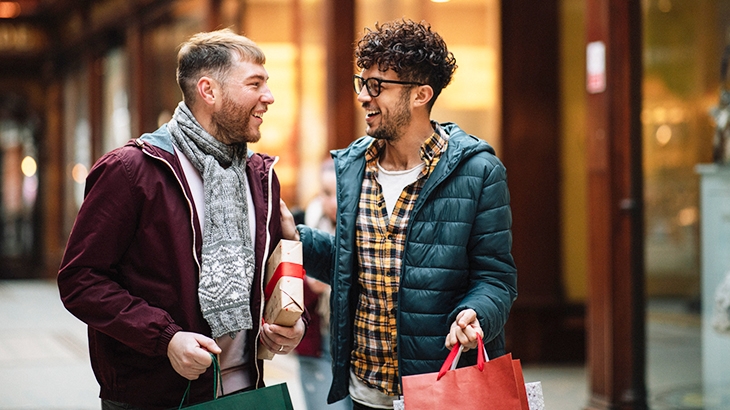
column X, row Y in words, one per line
column 284, row 289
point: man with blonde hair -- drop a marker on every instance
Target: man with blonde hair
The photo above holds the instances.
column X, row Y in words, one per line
column 165, row 262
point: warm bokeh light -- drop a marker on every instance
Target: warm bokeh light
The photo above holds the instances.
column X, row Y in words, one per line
column 28, row 166
column 664, row 115
column 78, row 173
column 665, row 6
column 688, row 216
column 663, row 134
column 9, row 9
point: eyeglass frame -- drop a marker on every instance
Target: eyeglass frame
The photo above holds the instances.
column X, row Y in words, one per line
column 379, row 81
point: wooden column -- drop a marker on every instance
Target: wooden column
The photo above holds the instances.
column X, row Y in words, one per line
column 542, row 326
column 616, row 348
column 94, row 78
column 340, row 32
column 51, row 179
column 138, row 107
column 213, row 19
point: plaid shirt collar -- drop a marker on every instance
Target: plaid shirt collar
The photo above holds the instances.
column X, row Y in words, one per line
column 430, row 150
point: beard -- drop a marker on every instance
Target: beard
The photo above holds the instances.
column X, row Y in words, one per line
column 232, row 123
column 393, row 123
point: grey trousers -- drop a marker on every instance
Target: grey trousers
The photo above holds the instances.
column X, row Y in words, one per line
column 113, row 405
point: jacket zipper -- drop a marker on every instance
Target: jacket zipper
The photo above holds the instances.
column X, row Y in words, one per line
column 140, row 144
column 267, row 244
column 416, row 208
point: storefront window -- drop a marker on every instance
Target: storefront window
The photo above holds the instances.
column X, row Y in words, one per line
column 291, row 33
column 683, row 46
column 116, row 119
column 78, row 142
column 683, row 43
column 18, row 188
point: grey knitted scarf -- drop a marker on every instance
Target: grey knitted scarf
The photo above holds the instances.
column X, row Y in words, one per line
column 227, row 266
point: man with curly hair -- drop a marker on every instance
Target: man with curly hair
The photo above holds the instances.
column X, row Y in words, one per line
column 421, row 257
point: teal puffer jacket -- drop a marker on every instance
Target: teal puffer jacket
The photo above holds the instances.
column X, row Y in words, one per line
column 457, row 256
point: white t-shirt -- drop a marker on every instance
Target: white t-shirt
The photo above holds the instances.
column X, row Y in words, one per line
column 392, row 183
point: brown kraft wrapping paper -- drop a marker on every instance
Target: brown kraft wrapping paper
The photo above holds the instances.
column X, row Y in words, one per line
column 285, row 295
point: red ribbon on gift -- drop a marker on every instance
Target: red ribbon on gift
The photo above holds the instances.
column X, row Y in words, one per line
column 290, row 269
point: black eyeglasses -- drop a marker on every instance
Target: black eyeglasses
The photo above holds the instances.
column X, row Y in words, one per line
column 374, row 85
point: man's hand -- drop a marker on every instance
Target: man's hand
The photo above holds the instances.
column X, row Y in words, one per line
column 189, row 353
column 288, row 227
column 464, row 330
column 282, row 339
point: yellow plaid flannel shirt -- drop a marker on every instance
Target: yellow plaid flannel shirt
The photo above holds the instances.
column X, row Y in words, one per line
column 380, row 245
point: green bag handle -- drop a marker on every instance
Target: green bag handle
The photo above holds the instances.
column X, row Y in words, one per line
column 216, row 374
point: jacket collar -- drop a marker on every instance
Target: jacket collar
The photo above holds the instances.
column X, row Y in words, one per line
column 350, row 163
column 160, row 138
column 460, row 145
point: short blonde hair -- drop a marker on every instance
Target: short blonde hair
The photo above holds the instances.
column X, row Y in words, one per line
column 211, row 53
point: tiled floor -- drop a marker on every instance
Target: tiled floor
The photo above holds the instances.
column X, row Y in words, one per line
column 673, row 367
column 44, row 363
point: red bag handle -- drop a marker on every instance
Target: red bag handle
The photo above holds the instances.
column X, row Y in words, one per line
column 456, row 352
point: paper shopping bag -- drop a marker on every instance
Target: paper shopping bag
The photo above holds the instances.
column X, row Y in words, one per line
column 534, row 396
column 274, row 397
column 497, row 384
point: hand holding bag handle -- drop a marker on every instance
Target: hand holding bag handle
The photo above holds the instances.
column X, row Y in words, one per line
column 453, row 358
column 498, row 382
column 274, row 397
column 216, row 375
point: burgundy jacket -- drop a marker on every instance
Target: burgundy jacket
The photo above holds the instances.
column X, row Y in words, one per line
column 130, row 269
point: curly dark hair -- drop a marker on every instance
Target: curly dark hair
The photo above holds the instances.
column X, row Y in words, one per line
column 410, row 49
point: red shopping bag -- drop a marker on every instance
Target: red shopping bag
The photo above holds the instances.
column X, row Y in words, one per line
column 496, row 384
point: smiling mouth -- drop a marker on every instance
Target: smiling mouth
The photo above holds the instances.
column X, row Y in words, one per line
column 372, row 113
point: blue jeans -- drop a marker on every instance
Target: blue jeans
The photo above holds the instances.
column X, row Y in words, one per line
column 316, row 376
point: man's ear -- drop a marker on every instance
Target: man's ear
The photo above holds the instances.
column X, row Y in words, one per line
column 424, row 94
column 208, row 90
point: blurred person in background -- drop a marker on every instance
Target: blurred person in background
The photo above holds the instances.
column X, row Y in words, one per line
column 165, row 261
column 421, row 255
column 313, row 351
